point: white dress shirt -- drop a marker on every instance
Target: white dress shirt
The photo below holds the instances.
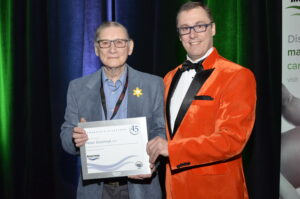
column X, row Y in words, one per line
column 182, row 88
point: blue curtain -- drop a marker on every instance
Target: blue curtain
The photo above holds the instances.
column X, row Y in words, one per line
column 71, row 28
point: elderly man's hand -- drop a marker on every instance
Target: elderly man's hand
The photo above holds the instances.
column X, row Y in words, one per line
column 141, row 177
column 79, row 135
column 157, row 146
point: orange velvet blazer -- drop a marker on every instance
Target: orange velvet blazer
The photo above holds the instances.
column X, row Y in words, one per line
column 212, row 127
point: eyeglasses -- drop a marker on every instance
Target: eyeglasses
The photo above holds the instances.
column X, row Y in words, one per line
column 119, row 43
column 197, row 28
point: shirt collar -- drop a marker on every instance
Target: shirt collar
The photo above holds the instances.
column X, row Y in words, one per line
column 121, row 80
column 197, row 60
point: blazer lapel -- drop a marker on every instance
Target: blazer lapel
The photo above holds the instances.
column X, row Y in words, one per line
column 169, row 97
column 94, row 101
column 134, row 105
column 194, row 88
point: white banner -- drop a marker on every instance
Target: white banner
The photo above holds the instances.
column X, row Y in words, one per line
column 290, row 125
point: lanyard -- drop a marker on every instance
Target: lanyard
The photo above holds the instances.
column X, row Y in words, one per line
column 121, row 97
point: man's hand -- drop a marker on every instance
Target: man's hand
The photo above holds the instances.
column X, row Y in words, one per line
column 157, row 146
column 141, row 177
column 79, row 135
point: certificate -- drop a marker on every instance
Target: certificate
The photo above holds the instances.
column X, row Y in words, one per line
column 115, row 148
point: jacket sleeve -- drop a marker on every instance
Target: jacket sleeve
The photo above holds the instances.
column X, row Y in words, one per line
column 232, row 125
column 71, row 121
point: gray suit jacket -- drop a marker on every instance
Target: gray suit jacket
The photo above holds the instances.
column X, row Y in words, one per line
column 83, row 100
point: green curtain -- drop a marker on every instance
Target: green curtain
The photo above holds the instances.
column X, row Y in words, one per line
column 231, row 39
column 5, row 93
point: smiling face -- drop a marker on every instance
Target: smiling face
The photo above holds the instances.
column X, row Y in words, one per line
column 113, row 57
column 196, row 44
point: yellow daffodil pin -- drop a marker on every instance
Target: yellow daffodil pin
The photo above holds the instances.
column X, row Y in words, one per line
column 138, row 92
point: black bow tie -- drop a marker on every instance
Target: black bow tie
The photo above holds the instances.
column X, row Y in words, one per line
column 188, row 65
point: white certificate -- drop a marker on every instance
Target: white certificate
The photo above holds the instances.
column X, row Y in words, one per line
column 115, row 148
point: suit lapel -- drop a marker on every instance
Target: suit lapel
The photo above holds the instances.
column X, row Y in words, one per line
column 194, row 88
column 169, row 97
column 134, row 105
column 94, row 101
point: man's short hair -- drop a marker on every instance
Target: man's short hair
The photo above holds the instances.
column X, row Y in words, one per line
column 191, row 5
column 108, row 24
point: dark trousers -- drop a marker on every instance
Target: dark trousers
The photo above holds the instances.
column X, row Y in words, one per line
column 111, row 191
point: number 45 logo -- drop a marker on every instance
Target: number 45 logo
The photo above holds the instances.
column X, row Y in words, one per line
column 134, row 129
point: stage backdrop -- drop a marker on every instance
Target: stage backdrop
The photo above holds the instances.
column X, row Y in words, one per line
column 290, row 141
column 45, row 44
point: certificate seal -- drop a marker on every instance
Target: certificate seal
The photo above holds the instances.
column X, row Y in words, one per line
column 139, row 164
column 134, row 129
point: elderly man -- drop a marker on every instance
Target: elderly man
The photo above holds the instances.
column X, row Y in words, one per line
column 210, row 112
column 116, row 91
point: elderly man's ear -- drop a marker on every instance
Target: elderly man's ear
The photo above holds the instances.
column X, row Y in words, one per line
column 96, row 48
column 130, row 46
